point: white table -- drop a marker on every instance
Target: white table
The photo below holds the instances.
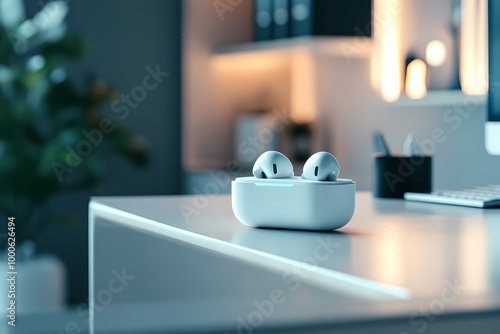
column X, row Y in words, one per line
column 397, row 267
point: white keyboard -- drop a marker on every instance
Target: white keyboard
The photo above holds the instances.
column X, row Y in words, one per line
column 479, row 197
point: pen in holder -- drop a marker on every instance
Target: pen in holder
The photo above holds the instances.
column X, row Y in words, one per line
column 395, row 175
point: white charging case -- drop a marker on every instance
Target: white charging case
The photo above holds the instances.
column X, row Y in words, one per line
column 293, row 203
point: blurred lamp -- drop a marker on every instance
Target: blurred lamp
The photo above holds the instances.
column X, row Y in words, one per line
column 416, row 75
column 435, row 53
column 474, row 47
column 387, row 67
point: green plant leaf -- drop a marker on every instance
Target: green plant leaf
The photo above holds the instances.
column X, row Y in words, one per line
column 68, row 48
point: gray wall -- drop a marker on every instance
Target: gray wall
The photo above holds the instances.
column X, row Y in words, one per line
column 124, row 37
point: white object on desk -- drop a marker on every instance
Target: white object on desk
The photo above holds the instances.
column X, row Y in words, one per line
column 293, row 203
column 479, row 197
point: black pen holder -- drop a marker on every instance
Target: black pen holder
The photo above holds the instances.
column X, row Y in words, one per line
column 395, row 175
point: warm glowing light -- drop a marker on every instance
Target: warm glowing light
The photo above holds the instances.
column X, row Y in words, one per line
column 303, row 89
column 435, row 53
column 388, row 259
column 473, row 260
column 386, row 63
column 248, row 61
column 474, row 47
column 416, row 75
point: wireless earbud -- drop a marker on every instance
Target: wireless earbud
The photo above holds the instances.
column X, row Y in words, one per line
column 321, row 166
column 272, row 165
column 275, row 198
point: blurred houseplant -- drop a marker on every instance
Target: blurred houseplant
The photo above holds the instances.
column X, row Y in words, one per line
column 45, row 118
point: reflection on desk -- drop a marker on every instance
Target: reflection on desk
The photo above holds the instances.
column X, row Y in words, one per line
column 393, row 260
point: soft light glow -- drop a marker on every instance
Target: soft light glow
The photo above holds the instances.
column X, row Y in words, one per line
column 386, row 60
column 416, row 75
column 435, row 53
column 473, row 260
column 390, row 72
column 474, row 47
column 303, row 88
column 248, row 62
column 35, row 63
column 388, row 260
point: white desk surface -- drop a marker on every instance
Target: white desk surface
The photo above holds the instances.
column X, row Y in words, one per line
column 399, row 256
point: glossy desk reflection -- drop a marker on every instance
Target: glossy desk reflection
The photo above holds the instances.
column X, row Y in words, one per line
column 205, row 272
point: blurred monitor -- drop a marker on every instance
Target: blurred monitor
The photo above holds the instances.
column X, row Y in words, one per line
column 492, row 128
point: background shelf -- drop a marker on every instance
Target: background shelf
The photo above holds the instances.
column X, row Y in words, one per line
column 440, row 98
column 355, row 47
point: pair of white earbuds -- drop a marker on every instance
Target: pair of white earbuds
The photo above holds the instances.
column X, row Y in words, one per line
column 321, row 166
